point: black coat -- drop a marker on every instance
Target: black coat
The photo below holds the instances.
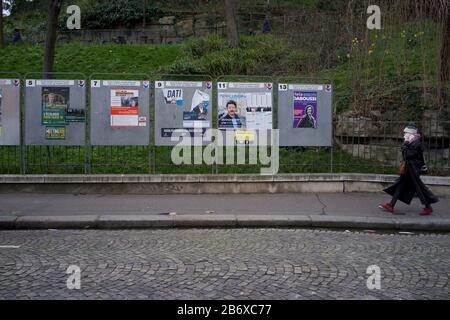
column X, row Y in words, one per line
column 409, row 185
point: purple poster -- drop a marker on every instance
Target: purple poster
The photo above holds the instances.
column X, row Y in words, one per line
column 305, row 109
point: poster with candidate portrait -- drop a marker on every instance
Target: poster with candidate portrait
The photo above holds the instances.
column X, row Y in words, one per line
column 305, row 114
column 55, row 102
column 305, row 110
column 182, row 105
column 245, row 105
column 124, row 107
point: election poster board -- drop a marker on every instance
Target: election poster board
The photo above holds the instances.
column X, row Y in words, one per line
column 9, row 111
column 305, row 114
column 183, row 105
column 245, row 108
column 120, row 112
column 55, row 112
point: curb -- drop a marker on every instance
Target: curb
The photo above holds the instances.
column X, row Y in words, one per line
column 111, row 222
column 207, row 183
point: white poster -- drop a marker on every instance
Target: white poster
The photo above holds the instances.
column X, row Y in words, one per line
column 124, row 106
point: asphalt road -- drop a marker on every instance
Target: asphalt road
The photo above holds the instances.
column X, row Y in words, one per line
column 222, row 264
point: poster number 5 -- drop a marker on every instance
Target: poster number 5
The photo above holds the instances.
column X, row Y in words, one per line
column 31, row 83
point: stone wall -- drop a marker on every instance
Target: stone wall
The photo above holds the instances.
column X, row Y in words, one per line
column 379, row 136
column 167, row 30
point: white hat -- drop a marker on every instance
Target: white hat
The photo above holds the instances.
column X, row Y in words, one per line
column 411, row 128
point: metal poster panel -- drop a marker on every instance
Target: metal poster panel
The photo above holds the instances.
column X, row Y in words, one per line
column 305, row 114
column 245, row 109
column 120, row 112
column 9, row 112
column 55, row 112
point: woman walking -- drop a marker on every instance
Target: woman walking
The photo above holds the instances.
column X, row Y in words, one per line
column 409, row 183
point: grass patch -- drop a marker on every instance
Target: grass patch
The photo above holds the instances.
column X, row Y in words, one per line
column 146, row 160
column 90, row 58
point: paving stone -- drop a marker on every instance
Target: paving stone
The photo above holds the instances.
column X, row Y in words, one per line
column 223, row 264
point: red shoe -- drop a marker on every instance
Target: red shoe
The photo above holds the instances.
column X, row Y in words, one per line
column 426, row 211
column 386, row 207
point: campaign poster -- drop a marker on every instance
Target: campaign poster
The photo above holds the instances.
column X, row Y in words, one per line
column 55, row 103
column 124, row 106
column 305, row 110
column 173, row 97
column 245, row 110
column 197, row 116
column 55, row 133
column 75, row 114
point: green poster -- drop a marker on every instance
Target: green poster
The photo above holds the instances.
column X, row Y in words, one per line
column 55, row 102
column 55, row 133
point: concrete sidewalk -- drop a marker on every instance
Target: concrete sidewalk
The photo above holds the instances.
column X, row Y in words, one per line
column 328, row 210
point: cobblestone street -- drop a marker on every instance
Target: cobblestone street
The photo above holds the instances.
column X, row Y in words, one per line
column 223, row 264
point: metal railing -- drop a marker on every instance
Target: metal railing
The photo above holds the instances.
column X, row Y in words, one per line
column 356, row 148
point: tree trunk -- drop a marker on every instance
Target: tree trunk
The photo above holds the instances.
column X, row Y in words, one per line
column 144, row 13
column 444, row 55
column 50, row 40
column 445, row 49
column 232, row 28
column 1, row 23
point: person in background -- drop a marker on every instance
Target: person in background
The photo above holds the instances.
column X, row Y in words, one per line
column 16, row 36
column 409, row 183
column 266, row 26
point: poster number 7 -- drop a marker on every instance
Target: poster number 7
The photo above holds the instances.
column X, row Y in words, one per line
column 95, row 83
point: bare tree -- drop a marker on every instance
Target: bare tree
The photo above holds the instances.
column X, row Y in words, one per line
column 144, row 13
column 232, row 28
column 1, row 23
column 445, row 48
column 50, row 40
column 444, row 55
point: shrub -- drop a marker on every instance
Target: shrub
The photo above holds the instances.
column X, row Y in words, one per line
column 198, row 47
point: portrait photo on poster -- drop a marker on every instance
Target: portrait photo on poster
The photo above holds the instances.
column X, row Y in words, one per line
column 252, row 110
column 305, row 109
column 173, row 97
column 198, row 111
column 55, row 103
column 183, row 105
column 124, row 106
